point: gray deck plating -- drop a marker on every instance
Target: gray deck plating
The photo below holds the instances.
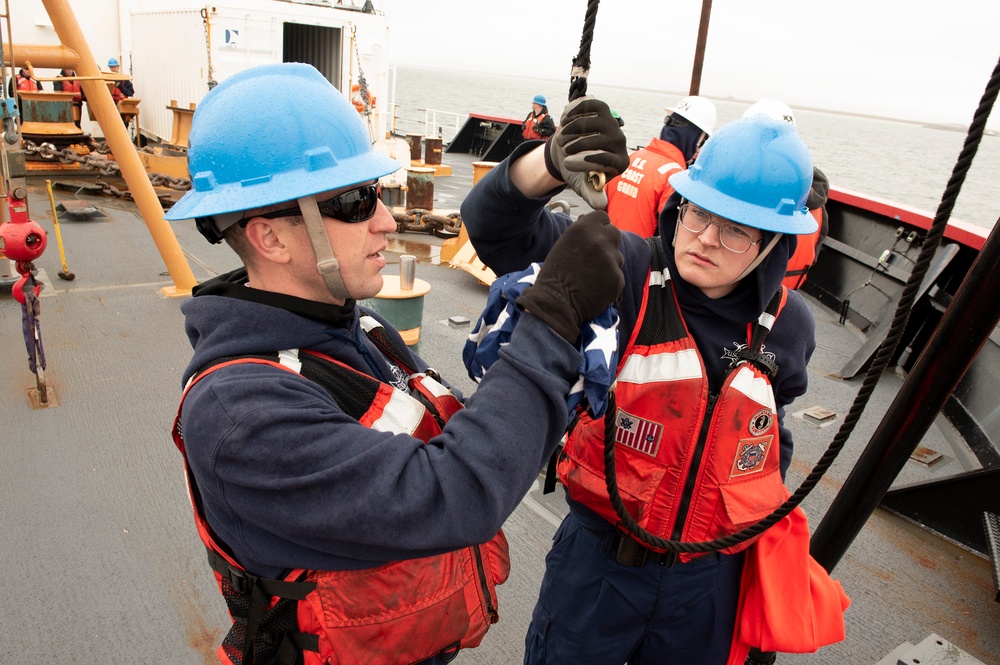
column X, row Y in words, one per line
column 103, row 562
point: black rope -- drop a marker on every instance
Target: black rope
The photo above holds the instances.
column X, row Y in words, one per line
column 878, row 365
column 581, row 63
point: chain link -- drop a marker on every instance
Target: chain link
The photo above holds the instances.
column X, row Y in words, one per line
column 103, row 166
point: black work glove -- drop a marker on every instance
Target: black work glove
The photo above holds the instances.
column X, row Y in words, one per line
column 581, row 276
column 587, row 141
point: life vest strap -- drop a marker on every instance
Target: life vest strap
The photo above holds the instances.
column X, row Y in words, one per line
column 261, row 620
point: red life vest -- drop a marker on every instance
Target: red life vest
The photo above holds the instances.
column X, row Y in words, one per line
column 27, row 84
column 529, row 131
column 806, row 248
column 689, row 465
column 401, row 612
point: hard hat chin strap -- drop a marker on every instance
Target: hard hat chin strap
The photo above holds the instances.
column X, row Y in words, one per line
column 326, row 264
column 761, row 255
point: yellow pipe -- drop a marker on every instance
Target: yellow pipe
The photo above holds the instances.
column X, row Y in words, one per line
column 106, row 112
column 45, row 56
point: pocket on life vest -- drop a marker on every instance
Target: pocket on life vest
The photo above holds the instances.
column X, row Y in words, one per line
column 752, row 499
column 498, row 555
column 581, row 469
column 382, row 615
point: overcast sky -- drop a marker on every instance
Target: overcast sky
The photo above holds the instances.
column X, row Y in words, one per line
column 909, row 59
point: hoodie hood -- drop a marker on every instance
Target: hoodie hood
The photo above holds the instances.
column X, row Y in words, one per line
column 227, row 318
column 820, row 191
column 685, row 138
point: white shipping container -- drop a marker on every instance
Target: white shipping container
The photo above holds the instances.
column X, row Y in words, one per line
column 178, row 55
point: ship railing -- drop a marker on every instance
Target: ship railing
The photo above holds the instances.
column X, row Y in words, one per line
column 426, row 122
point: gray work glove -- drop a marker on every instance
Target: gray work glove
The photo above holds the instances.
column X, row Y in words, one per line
column 587, row 141
column 581, row 276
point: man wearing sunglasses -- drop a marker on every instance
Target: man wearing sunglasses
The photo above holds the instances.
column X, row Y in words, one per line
column 712, row 349
column 350, row 505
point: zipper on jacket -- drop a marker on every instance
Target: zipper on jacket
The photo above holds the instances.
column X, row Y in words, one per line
column 491, row 611
column 692, row 474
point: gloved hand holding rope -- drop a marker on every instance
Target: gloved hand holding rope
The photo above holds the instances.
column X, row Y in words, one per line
column 588, row 143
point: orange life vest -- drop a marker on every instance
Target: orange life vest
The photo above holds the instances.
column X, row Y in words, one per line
column 806, row 248
column 636, row 197
column 529, row 131
column 689, row 465
column 27, row 84
column 400, row 612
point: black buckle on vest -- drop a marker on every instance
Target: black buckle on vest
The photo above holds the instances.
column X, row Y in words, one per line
column 632, row 554
column 242, row 583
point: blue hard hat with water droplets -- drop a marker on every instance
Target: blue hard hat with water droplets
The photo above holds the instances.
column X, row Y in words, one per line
column 756, row 171
column 272, row 134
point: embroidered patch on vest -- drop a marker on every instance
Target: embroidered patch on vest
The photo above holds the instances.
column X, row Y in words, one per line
column 637, row 433
column 750, row 456
column 761, row 422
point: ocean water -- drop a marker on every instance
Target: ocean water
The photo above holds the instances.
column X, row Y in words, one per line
column 903, row 162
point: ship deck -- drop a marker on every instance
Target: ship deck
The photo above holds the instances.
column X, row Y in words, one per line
column 104, row 565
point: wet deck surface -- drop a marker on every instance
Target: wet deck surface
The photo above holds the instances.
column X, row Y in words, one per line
column 102, row 561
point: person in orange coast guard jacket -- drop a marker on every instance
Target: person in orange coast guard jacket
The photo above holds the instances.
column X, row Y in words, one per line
column 538, row 124
column 23, row 82
column 712, row 351
column 808, row 246
column 636, row 197
column 350, row 505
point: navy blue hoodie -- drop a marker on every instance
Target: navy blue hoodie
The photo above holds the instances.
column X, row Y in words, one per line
column 288, row 480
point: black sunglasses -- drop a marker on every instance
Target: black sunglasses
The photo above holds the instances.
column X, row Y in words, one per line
column 355, row 205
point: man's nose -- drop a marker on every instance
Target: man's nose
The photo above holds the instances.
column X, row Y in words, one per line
column 711, row 235
column 383, row 221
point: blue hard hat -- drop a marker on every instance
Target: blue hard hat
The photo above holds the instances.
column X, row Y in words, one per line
column 539, row 99
column 112, row 62
column 272, row 134
column 756, row 171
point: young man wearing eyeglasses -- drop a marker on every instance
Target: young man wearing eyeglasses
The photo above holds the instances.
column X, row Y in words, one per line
column 350, row 505
column 712, row 350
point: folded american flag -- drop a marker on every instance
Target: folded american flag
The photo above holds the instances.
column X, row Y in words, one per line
column 598, row 342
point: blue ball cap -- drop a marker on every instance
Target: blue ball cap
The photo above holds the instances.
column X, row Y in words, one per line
column 539, row 99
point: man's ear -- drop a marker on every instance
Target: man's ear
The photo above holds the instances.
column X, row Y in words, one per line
column 267, row 239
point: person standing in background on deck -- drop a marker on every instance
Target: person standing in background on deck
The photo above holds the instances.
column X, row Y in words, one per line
column 636, row 197
column 700, row 444
column 538, row 124
column 808, row 246
column 74, row 87
column 122, row 89
column 23, row 82
column 329, row 468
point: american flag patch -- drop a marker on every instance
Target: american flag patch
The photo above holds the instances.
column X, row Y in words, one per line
column 637, row 433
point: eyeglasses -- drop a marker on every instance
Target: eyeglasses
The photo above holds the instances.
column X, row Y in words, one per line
column 733, row 236
column 353, row 206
